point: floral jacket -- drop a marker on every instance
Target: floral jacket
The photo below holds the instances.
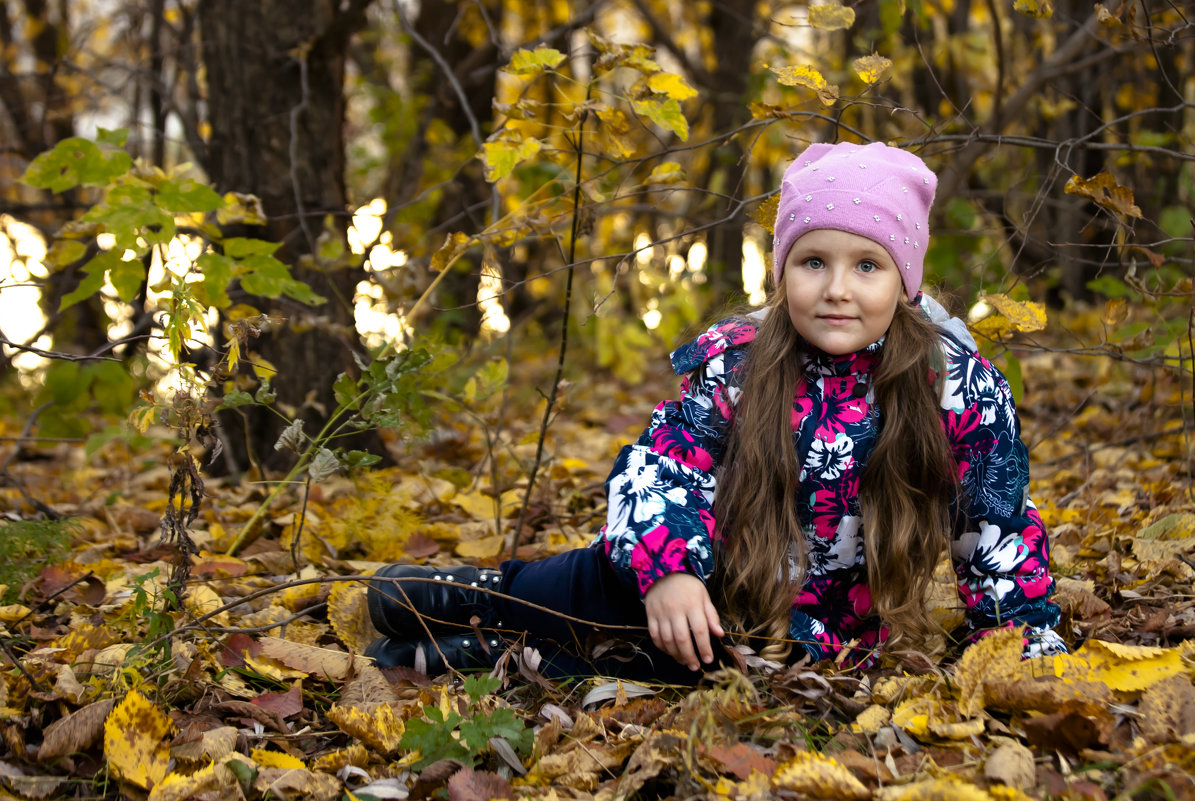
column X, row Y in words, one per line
column 661, row 491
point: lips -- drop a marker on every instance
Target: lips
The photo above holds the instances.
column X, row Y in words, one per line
column 835, row 319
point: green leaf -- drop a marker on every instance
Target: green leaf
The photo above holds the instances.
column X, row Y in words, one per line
column 533, row 62
column 355, row 459
column 238, row 397
column 503, row 155
column 345, row 390
column 76, row 162
column 64, row 252
column 478, row 686
column 186, row 195
column 127, row 278
column 116, row 137
column 270, row 278
column 665, row 113
column 94, row 272
column 217, row 273
column 238, row 247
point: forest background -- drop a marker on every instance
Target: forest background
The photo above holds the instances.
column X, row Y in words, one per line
column 293, row 288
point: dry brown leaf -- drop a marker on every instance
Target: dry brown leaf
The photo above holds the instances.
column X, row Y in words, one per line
column 1011, row 764
column 657, row 752
column 77, row 731
column 477, row 785
column 1045, row 694
column 320, row 663
column 296, row 784
column 214, row 781
column 741, row 760
column 214, row 744
column 1167, row 710
column 348, row 613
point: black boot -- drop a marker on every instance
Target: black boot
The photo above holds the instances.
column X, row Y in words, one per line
column 435, row 657
column 446, row 603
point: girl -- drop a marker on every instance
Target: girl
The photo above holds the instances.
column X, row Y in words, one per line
column 823, row 455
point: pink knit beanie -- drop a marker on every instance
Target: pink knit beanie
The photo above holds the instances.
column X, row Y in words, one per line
column 876, row 191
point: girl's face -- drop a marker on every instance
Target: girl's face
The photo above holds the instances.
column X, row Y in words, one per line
column 842, row 290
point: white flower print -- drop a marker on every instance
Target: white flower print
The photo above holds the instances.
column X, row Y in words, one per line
column 829, row 460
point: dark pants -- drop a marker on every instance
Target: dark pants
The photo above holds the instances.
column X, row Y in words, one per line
column 581, row 584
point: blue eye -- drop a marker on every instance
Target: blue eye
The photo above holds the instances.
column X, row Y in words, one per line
column 868, row 266
column 814, row 263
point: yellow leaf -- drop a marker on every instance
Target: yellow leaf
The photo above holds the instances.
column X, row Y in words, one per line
column 916, row 714
column 963, row 730
column 135, row 741
column 378, row 727
column 533, row 62
column 813, row 774
column 995, row 657
column 871, row 68
column 1041, row 9
column 271, row 668
column 1010, row 316
column 275, row 759
column 11, row 613
column 872, row 719
column 293, row 784
column 502, row 155
column 241, row 209
column 1124, row 668
column 671, row 84
column 668, row 173
column 483, row 548
column 1115, row 311
column 831, row 17
column 201, row 599
column 765, row 213
column 213, row 781
column 348, row 613
column 665, row 113
column 946, row 788
column 809, row 78
column 1104, row 190
column 450, row 251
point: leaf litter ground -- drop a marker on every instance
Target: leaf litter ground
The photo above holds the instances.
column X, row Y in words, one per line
column 253, row 688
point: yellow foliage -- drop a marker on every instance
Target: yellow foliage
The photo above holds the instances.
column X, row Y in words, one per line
column 1041, row 9
column 377, row 726
column 1104, row 190
column 820, row 776
column 831, row 16
column 135, row 741
column 349, row 615
column 809, row 78
column 1010, row 316
column 201, row 599
column 671, row 84
column 483, row 548
column 996, row 657
column 275, row 759
column 1124, row 668
column 871, row 68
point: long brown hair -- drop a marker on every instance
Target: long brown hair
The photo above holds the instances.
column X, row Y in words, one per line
column 905, row 491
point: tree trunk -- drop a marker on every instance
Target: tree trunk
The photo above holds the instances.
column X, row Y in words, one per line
column 276, row 104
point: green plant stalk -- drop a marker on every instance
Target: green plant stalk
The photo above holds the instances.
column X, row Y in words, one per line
column 331, row 428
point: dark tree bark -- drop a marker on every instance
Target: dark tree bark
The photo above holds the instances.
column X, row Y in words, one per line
column 276, row 104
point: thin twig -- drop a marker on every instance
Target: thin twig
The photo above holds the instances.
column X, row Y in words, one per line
column 568, row 296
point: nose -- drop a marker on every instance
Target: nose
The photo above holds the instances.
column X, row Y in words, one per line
column 837, row 283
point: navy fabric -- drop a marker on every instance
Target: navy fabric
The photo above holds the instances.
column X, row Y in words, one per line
column 581, row 584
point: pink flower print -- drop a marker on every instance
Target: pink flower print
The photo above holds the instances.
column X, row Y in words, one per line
column 829, row 505
column 802, row 406
column 836, row 413
column 656, row 555
column 860, row 598
column 1033, row 578
column 681, row 445
column 959, row 425
column 710, row 523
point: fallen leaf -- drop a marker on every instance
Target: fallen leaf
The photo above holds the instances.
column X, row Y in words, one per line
column 477, row 785
column 135, row 741
column 1011, row 764
column 813, row 774
column 77, row 731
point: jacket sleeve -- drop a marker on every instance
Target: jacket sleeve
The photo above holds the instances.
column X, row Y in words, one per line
column 1001, row 552
column 661, row 490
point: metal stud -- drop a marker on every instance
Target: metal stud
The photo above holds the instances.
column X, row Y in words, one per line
column 877, row 217
column 830, row 206
column 808, row 219
column 856, row 201
column 899, row 217
column 792, row 216
column 831, row 178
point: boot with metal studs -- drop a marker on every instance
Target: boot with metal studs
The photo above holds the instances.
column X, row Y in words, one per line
column 444, row 599
column 435, row 657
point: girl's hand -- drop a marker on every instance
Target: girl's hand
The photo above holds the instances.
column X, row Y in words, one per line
column 679, row 613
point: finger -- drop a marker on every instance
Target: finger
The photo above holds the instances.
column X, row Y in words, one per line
column 684, row 644
column 701, row 636
column 711, row 616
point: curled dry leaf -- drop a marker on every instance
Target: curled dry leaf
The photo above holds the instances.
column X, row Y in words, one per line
column 349, row 615
column 817, row 775
column 1012, row 765
column 77, row 731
